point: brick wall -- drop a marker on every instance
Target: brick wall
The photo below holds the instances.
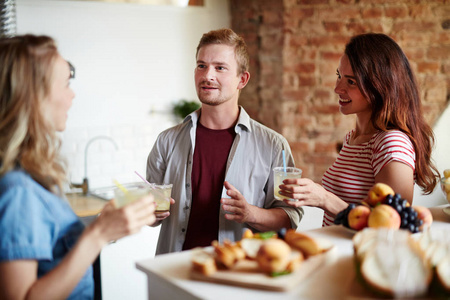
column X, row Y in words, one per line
column 295, row 46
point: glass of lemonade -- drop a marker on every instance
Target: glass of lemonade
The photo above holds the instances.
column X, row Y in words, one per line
column 280, row 174
column 162, row 193
column 133, row 193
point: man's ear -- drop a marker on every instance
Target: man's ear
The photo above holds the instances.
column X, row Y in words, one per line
column 244, row 78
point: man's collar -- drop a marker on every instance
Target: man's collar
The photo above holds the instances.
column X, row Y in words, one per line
column 243, row 119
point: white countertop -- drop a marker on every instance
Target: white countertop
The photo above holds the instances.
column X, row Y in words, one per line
column 168, row 275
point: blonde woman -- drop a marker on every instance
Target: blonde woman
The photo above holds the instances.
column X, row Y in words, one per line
column 45, row 251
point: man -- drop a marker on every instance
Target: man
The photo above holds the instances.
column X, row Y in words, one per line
column 219, row 160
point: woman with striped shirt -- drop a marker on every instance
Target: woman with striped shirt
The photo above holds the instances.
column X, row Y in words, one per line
column 391, row 142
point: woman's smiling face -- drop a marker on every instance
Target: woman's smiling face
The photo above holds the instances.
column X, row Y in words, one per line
column 351, row 100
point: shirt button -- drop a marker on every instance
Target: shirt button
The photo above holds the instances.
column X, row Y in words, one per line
column 183, row 230
column 188, row 185
column 187, row 207
column 189, row 162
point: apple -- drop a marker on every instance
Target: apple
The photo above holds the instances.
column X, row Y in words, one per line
column 384, row 216
column 447, row 173
column 425, row 215
column 378, row 192
column 358, row 217
column 447, row 185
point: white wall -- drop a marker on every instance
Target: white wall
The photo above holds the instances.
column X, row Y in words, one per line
column 132, row 63
column 441, row 157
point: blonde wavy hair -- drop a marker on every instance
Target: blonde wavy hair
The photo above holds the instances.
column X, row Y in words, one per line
column 26, row 139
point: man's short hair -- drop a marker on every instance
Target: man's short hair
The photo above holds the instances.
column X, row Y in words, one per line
column 228, row 37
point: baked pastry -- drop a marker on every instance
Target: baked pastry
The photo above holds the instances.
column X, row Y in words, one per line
column 238, row 252
column 392, row 263
column 203, row 262
column 443, row 273
column 273, row 256
column 225, row 256
column 307, row 245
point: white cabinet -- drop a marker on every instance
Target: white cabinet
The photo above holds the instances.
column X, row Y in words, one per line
column 119, row 276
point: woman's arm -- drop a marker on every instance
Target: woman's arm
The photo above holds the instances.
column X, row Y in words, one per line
column 18, row 279
column 400, row 177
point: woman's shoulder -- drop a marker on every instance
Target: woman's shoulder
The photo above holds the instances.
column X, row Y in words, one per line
column 19, row 184
column 17, row 177
column 391, row 135
column 391, row 138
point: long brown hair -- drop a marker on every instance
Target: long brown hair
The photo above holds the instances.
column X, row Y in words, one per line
column 385, row 77
column 26, row 139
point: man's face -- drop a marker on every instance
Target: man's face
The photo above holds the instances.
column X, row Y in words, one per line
column 216, row 76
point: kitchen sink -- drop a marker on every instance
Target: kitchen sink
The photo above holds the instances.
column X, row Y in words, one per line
column 106, row 193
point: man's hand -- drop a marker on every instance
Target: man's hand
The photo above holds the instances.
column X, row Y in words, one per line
column 160, row 216
column 237, row 209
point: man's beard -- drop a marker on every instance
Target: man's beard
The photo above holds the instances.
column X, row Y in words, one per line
column 208, row 99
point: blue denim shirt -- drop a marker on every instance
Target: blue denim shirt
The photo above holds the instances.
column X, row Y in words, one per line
column 38, row 225
column 256, row 150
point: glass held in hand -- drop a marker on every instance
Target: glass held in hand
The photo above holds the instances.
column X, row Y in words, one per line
column 161, row 194
column 279, row 174
column 130, row 194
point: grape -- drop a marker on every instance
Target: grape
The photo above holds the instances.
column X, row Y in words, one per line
column 345, row 219
column 404, row 223
column 408, row 216
column 404, row 215
column 412, row 216
column 404, row 203
column 339, row 217
column 389, row 199
column 342, row 216
column 395, row 202
column 282, row 233
column 418, row 222
column 409, row 209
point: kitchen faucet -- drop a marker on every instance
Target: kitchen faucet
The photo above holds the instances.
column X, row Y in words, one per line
column 85, row 185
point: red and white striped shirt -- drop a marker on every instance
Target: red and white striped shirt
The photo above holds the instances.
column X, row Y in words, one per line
column 353, row 173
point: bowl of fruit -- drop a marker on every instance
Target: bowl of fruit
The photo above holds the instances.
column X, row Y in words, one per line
column 445, row 184
column 384, row 208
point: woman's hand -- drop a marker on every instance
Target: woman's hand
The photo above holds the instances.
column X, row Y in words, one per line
column 305, row 191
column 113, row 223
column 309, row 193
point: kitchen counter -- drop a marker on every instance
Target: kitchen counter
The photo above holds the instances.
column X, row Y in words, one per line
column 85, row 205
column 168, row 276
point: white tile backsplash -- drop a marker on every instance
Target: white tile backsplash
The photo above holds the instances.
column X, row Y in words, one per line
column 104, row 161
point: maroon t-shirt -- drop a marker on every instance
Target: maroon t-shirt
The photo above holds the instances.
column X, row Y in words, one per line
column 208, row 174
